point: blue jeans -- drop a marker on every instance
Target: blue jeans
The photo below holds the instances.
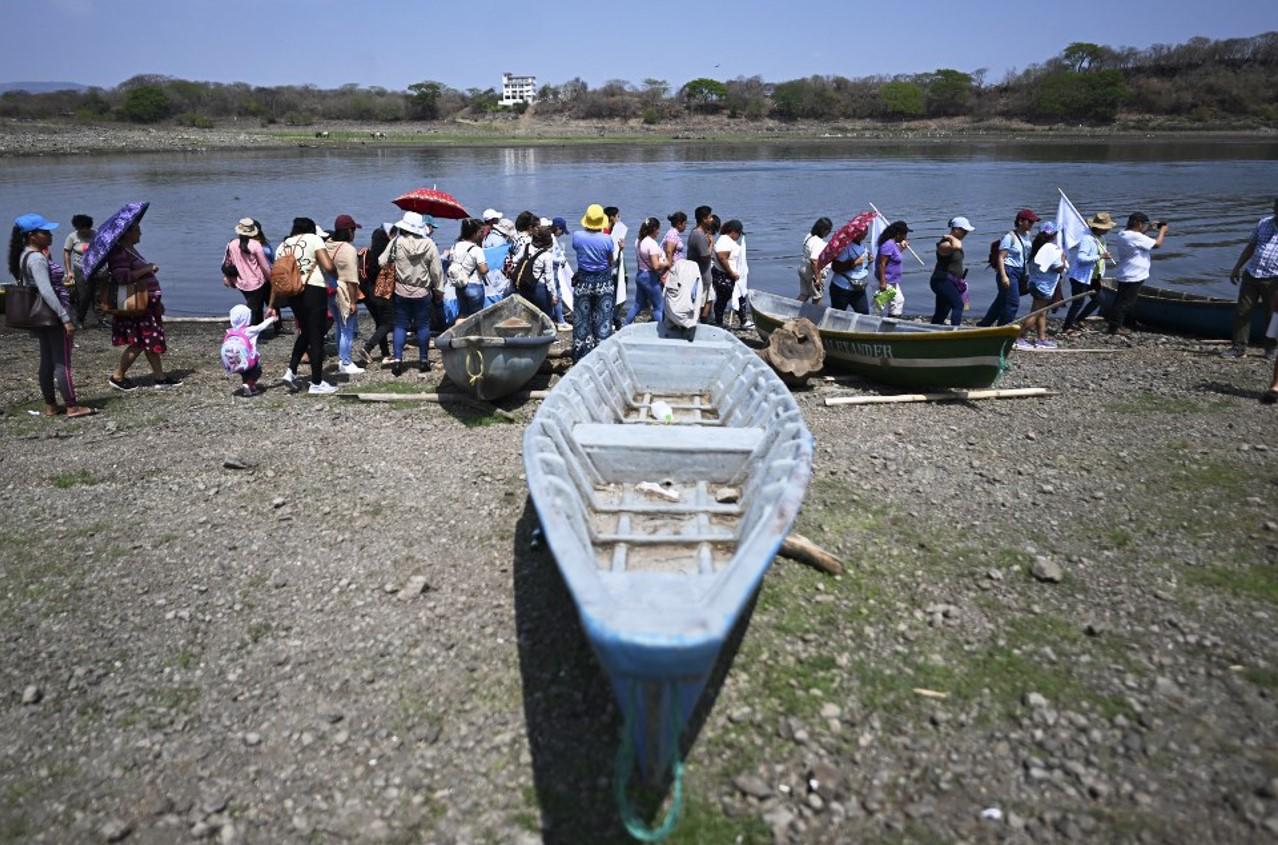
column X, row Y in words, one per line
column 1004, row 307
column 1080, row 309
column 647, row 294
column 540, row 296
column 854, row 298
column 470, row 299
column 594, row 297
column 416, row 311
column 345, row 330
column 949, row 302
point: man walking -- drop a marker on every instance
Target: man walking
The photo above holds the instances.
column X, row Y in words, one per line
column 1259, row 282
column 1132, row 255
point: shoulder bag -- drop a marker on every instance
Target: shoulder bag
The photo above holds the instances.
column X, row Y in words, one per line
column 24, row 307
column 384, row 286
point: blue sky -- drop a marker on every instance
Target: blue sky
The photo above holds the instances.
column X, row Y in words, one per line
column 392, row 44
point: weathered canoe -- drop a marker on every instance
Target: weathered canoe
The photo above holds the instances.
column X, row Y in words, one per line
column 494, row 352
column 660, row 578
column 895, row 352
column 1194, row 314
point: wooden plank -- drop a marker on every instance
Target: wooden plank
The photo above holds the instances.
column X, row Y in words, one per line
column 949, row 396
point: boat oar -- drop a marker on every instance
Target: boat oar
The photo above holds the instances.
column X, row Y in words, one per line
column 1056, row 305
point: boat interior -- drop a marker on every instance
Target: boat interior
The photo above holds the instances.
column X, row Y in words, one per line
column 677, row 497
column 780, row 309
column 514, row 316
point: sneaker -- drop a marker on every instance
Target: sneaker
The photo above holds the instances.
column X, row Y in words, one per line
column 390, row 362
column 289, row 377
column 250, row 390
column 167, row 382
column 126, row 384
column 1047, row 344
column 748, row 324
column 1234, row 352
column 322, row 388
column 349, row 369
column 397, row 369
column 1023, row 344
column 563, row 327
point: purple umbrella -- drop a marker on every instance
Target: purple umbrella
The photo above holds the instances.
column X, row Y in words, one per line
column 109, row 234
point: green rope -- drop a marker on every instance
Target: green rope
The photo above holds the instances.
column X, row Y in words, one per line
column 625, row 763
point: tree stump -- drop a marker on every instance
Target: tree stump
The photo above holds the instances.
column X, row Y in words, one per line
column 795, row 351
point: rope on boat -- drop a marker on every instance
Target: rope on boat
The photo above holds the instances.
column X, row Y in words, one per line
column 476, row 375
column 626, row 762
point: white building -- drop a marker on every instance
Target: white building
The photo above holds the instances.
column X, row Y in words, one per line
column 517, row 89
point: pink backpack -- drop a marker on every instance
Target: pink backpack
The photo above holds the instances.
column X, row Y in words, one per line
column 238, row 353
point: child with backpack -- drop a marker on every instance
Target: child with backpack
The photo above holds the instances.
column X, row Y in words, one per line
column 239, row 349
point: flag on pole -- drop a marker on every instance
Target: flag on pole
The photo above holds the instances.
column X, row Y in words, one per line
column 1071, row 226
column 872, row 237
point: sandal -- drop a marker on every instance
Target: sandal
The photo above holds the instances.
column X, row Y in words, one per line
column 1269, row 397
column 80, row 411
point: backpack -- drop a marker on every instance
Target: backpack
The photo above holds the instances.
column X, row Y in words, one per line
column 682, row 294
column 523, row 275
column 456, row 275
column 286, row 274
column 238, row 354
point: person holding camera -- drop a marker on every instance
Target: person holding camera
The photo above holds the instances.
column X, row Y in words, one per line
column 1132, row 255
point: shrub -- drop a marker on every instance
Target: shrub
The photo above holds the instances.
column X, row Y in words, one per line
column 146, row 104
column 195, row 119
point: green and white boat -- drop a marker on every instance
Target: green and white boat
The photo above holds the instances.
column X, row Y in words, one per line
column 895, row 352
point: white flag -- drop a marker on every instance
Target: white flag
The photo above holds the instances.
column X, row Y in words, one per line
column 1070, row 223
column 872, row 239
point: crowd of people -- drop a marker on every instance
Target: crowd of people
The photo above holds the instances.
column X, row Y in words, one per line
column 408, row 285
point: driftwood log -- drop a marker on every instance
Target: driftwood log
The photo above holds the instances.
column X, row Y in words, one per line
column 799, row 548
column 795, row 351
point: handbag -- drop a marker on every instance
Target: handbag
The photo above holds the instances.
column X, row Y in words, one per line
column 384, row 286
column 25, row 308
column 229, row 270
column 127, row 300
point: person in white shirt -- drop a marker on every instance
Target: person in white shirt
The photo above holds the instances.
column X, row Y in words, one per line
column 726, row 270
column 306, row 247
column 812, row 281
column 1131, row 252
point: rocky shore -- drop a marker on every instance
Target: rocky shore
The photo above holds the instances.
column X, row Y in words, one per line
column 310, row 619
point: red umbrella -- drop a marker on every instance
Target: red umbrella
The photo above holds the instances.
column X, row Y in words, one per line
column 432, row 201
column 853, row 229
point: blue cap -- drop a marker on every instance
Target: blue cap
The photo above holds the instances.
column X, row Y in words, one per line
column 33, row 222
column 560, row 223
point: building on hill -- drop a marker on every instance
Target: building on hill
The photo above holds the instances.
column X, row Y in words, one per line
column 517, row 89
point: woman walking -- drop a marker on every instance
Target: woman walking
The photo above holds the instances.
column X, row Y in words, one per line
column 948, row 280
column 1045, row 265
column 143, row 334
column 311, row 305
column 468, row 267
column 29, row 265
column 1010, row 268
column 812, row 278
column 652, row 263
column 887, row 268
column 379, row 308
column 1086, row 269
column 851, row 272
column 419, row 281
column 594, row 289
column 672, row 241
column 344, row 303
column 726, row 271
column 246, row 268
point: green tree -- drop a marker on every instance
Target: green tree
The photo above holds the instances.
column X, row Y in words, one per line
column 704, row 94
column 902, row 99
column 1094, row 95
column 146, row 104
column 1082, row 55
column 423, row 100
column 948, row 92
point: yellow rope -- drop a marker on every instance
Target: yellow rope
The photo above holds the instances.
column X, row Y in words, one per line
column 477, row 375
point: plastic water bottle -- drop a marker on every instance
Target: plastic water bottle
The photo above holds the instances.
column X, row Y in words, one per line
column 662, row 412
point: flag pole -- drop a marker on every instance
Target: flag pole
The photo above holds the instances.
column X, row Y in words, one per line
column 907, row 246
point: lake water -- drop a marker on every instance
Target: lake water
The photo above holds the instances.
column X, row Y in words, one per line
column 1211, row 191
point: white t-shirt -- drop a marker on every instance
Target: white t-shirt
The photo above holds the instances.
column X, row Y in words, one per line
column 728, row 245
column 618, row 234
column 467, row 255
column 303, row 249
column 813, row 246
column 1131, row 254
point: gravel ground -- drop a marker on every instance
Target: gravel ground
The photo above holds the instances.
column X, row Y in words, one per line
column 296, row 619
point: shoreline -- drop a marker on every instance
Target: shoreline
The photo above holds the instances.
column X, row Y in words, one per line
column 28, row 139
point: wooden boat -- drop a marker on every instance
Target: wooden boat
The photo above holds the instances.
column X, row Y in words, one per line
column 660, row 578
column 1194, row 314
column 895, row 352
column 494, row 352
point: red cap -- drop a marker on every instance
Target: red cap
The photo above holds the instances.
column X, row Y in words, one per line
column 1026, row 214
column 345, row 221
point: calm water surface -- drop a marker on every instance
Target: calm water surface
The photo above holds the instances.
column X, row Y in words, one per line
column 1212, row 192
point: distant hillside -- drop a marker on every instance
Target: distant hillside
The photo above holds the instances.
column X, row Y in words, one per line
column 41, row 87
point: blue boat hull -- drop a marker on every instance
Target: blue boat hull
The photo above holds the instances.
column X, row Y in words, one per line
column 1193, row 314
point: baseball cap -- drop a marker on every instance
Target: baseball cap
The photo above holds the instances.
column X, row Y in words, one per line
column 491, row 214
column 34, row 222
column 962, row 223
column 345, row 221
column 1049, row 228
column 560, row 223
column 1026, row 214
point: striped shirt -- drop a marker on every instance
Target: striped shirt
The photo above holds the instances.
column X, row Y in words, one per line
column 1264, row 261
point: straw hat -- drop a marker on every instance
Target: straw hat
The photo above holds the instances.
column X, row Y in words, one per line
column 594, row 218
column 1102, row 221
column 247, row 228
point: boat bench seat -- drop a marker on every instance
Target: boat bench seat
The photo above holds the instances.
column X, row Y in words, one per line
column 637, row 451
